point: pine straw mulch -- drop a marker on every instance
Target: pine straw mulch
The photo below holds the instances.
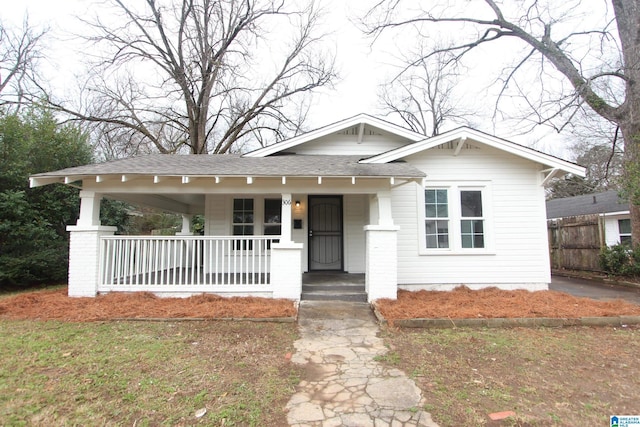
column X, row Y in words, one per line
column 56, row 305
column 464, row 303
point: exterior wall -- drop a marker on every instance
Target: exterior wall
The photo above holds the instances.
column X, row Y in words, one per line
column 218, row 211
column 356, row 212
column 611, row 230
column 217, row 215
column 517, row 256
column 348, row 145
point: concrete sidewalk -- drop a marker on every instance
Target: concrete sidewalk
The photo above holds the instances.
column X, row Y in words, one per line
column 343, row 384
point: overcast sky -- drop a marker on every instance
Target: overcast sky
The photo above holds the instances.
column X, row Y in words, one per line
column 361, row 71
column 361, row 66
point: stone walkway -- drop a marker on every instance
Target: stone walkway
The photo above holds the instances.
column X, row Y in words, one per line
column 343, row 384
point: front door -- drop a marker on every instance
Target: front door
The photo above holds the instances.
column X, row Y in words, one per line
column 325, row 233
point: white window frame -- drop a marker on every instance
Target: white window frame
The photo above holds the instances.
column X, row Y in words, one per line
column 455, row 216
column 472, row 219
column 621, row 234
column 243, row 224
column 258, row 214
column 436, row 218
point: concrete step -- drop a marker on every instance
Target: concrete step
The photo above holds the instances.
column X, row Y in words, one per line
column 338, row 287
column 334, row 292
column 334, row 296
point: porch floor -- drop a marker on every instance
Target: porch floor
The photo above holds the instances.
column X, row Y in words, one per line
column 333, row 286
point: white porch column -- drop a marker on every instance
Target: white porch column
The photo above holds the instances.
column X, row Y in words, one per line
column 84, row 246
column 186, row 226
column 89, row 208
column 381, row 250
column 286, row 224
column 286, row 270
column 385, row 216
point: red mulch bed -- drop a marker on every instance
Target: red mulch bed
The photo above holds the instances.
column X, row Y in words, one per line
column 56, row 305
column 461, row 303
column 464, row 303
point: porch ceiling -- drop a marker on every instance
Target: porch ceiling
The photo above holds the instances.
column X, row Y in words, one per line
column 177, row 203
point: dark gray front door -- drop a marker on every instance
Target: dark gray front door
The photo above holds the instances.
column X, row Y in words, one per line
column 325, row 233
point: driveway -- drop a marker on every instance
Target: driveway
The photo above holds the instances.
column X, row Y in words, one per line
column 594, row 289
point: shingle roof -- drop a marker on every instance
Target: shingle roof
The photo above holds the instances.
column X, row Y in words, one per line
column 605, row 202
column 235, row 165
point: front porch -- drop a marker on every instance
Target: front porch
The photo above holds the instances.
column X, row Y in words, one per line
column 270, row 266
column 267, row 221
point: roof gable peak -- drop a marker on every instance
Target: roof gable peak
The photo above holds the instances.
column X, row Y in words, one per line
column 358, row 122
column 465, row 134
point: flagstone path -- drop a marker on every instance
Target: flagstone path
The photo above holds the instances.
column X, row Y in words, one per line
column 343, row 384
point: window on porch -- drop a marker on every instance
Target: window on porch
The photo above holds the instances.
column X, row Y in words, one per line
column 243, row 221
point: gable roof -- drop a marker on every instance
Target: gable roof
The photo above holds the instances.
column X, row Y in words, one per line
column 596, row 203
column 232, row 165
column 360, row 119
column 469, row 135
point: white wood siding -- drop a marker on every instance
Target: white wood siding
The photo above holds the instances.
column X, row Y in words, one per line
column 217, row 215
column 356, row 214
column 611, row 229
column 348, row 145
column 519, row 255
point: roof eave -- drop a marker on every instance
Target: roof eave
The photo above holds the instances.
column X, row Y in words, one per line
column 492, row 141
column 43, row 179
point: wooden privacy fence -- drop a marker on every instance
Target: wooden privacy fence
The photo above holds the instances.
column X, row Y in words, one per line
column 575, row 242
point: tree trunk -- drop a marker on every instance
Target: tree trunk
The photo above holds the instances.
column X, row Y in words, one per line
column 631, row 184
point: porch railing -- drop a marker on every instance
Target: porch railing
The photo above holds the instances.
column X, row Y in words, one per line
column 185, row 263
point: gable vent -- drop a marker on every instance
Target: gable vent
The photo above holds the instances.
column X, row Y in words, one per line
column 354, row 130
column 451, row 145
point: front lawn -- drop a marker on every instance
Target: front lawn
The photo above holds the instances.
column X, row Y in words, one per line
column 576, row 376
column 145, row 373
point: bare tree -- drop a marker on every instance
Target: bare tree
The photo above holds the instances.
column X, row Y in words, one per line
column 201, row 75
column 602, row 154
column 596, row 51
column 20, row 51
column 423, row 95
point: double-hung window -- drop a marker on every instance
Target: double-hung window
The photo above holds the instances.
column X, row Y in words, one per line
column 436, row 218
column 472, row 221
column 455, row 217
column 272, row 217
column 247, row 214
column 243, row 220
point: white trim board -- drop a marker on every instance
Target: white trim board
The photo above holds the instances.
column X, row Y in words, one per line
column 472, row 136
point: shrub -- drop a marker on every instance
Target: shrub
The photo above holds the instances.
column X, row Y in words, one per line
column 621, row 260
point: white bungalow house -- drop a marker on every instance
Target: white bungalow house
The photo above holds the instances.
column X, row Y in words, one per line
column 359, row 196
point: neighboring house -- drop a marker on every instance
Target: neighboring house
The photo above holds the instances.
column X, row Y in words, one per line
column 579, row 227
column 608, row 205
column 360, row 196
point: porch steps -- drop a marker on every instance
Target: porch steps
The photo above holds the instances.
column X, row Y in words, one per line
column 334, row 292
